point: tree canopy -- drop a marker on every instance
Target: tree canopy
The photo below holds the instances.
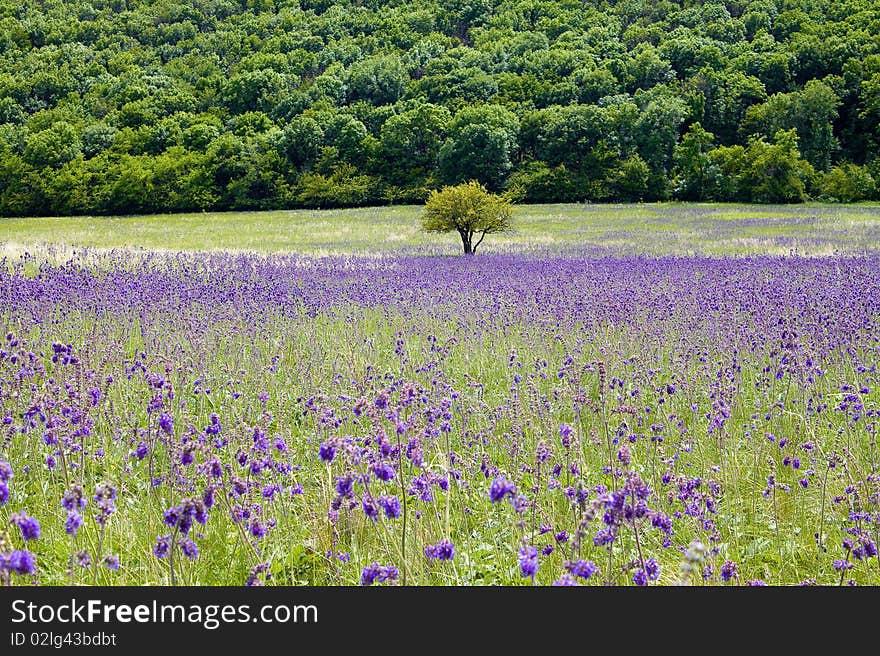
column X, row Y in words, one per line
column 468, row 209
column 111, row 106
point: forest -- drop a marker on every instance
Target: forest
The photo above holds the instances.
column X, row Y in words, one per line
column 143, row 106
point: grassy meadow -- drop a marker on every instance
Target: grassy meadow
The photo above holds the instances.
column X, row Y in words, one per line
column 654, row 228
column 610, row 395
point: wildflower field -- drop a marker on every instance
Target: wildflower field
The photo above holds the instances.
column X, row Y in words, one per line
column 689, row 396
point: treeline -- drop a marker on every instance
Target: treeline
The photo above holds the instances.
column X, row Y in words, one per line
column 130, row 106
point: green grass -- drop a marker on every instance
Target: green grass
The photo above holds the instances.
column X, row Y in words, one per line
column 313, row 351
column 658, row 228
column 344, row 355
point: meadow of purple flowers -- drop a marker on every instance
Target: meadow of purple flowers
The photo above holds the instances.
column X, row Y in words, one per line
column 504, row 419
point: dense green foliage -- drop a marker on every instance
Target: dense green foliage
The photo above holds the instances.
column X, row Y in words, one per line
column 136, row 106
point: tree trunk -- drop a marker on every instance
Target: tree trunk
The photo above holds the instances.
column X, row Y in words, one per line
column 466, row 242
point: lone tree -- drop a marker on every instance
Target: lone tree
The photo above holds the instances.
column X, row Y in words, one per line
column 470, row 210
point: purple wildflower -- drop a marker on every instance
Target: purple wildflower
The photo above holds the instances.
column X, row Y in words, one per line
column 344, row 486
column 21, row 562
column 189, row 549
column 375, row 573
column 326, row 452
column 582, row 568
column 443, row 550
column 729, row 570
column 501, row 488
column 72, row 523
column 391, row 506
column 640, row 577
column 257, row 528
column 74, row 498
column 29, row 527
column 370, row 508
column 565, row 434
column 166, row 423
column 162, row 546
column 528, row 561
column 383, row 471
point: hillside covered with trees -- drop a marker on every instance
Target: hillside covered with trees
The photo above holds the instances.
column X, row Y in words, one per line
column 135, row 106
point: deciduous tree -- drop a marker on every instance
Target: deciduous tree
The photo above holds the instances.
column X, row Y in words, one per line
column 468, row 209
